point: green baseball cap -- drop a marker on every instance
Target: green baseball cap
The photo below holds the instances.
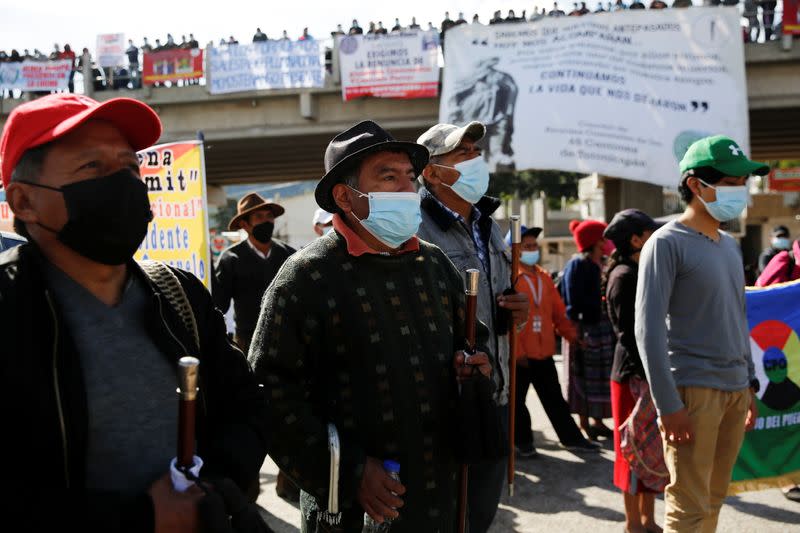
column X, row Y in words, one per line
column 723, row 154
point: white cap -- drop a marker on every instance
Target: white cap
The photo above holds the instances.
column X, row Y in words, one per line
column 322, row 217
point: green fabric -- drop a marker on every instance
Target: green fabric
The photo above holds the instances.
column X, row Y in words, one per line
column 366, row 343
column 723, row 154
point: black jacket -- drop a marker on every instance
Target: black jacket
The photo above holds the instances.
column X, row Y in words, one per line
column 44, row 412
column 243, row 276
column 765, row 257
column 621, row 302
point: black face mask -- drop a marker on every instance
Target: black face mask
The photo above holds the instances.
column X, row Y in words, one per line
column 263, row 232
column 107, row 216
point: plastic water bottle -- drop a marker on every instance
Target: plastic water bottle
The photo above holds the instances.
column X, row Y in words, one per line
column 371, row 526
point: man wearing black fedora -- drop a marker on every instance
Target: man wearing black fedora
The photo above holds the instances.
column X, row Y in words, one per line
column 245, row 270
column 363, row 329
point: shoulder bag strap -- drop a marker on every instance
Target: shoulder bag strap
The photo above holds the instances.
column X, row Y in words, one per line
column 169, row 285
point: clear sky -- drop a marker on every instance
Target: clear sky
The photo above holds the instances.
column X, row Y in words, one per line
column 41, row 23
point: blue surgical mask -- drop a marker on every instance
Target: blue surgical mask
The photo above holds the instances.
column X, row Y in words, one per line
column 730, row 202
column 781, row 243
column 394, row 217
column 473, row 181
column 529, row 258
column 327, row 230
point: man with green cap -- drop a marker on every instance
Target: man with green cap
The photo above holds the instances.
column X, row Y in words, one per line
column 692, row 333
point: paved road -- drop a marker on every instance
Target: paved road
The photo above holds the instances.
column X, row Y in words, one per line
column 565, row 493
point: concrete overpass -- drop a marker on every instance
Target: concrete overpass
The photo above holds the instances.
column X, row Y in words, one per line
column 281, row 135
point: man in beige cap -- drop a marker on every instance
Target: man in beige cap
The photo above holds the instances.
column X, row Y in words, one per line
column 456, row 217
column 245, row 270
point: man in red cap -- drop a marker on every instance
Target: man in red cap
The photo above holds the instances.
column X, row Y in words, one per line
column 92, row 342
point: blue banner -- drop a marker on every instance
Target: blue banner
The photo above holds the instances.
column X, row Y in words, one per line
column 265, row 65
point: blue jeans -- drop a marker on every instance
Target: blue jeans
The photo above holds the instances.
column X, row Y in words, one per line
column 486, row 482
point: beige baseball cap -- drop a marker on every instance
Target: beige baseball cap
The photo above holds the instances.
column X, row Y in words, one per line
column 444, row 138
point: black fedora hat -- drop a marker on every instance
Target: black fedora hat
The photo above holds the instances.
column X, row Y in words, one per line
column 345, row 149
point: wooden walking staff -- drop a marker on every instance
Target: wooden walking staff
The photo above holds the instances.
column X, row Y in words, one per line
column 516, row 250
column 471, row 291
column 187, row 394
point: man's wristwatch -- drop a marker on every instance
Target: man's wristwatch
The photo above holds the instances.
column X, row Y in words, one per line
column 755, row 385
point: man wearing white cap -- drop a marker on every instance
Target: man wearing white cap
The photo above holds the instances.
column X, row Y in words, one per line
column 456, row 216
column 323, row 222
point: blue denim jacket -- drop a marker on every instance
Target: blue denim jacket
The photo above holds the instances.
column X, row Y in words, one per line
column 10, row 240
column 447, row 230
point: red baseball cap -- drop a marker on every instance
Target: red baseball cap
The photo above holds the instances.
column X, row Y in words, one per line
column 50, row 117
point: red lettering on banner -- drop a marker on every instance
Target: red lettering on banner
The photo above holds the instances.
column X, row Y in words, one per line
column 177, row 210
column 401, row 91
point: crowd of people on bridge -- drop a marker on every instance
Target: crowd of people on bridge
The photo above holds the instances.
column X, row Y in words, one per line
column 751, row 13
column 758, row 16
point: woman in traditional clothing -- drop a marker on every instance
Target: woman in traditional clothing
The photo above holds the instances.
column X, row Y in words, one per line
column 629, row 230
column 588, row 366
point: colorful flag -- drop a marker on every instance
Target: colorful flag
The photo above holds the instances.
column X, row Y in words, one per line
column 770, row 455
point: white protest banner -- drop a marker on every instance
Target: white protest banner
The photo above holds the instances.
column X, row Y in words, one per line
column 623, row 94
column 396, row 65
column 110, row 51
column 266, row 65
column 32, row 75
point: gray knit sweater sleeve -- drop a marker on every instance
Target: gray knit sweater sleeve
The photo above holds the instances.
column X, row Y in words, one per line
column 657, row 273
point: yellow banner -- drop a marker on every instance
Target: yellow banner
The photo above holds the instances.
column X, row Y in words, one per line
column 178, row 235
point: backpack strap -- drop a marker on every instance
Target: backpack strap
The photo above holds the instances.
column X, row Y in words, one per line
column 169, row 285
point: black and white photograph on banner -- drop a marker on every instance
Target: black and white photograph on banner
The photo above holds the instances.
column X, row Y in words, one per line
column 489, row 96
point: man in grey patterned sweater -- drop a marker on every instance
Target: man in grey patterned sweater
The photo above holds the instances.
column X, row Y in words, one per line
column 363, row 329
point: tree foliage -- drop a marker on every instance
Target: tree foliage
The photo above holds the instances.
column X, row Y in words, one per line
column 529, row 183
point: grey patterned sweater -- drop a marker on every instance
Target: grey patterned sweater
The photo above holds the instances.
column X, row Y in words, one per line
column 366, row 343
